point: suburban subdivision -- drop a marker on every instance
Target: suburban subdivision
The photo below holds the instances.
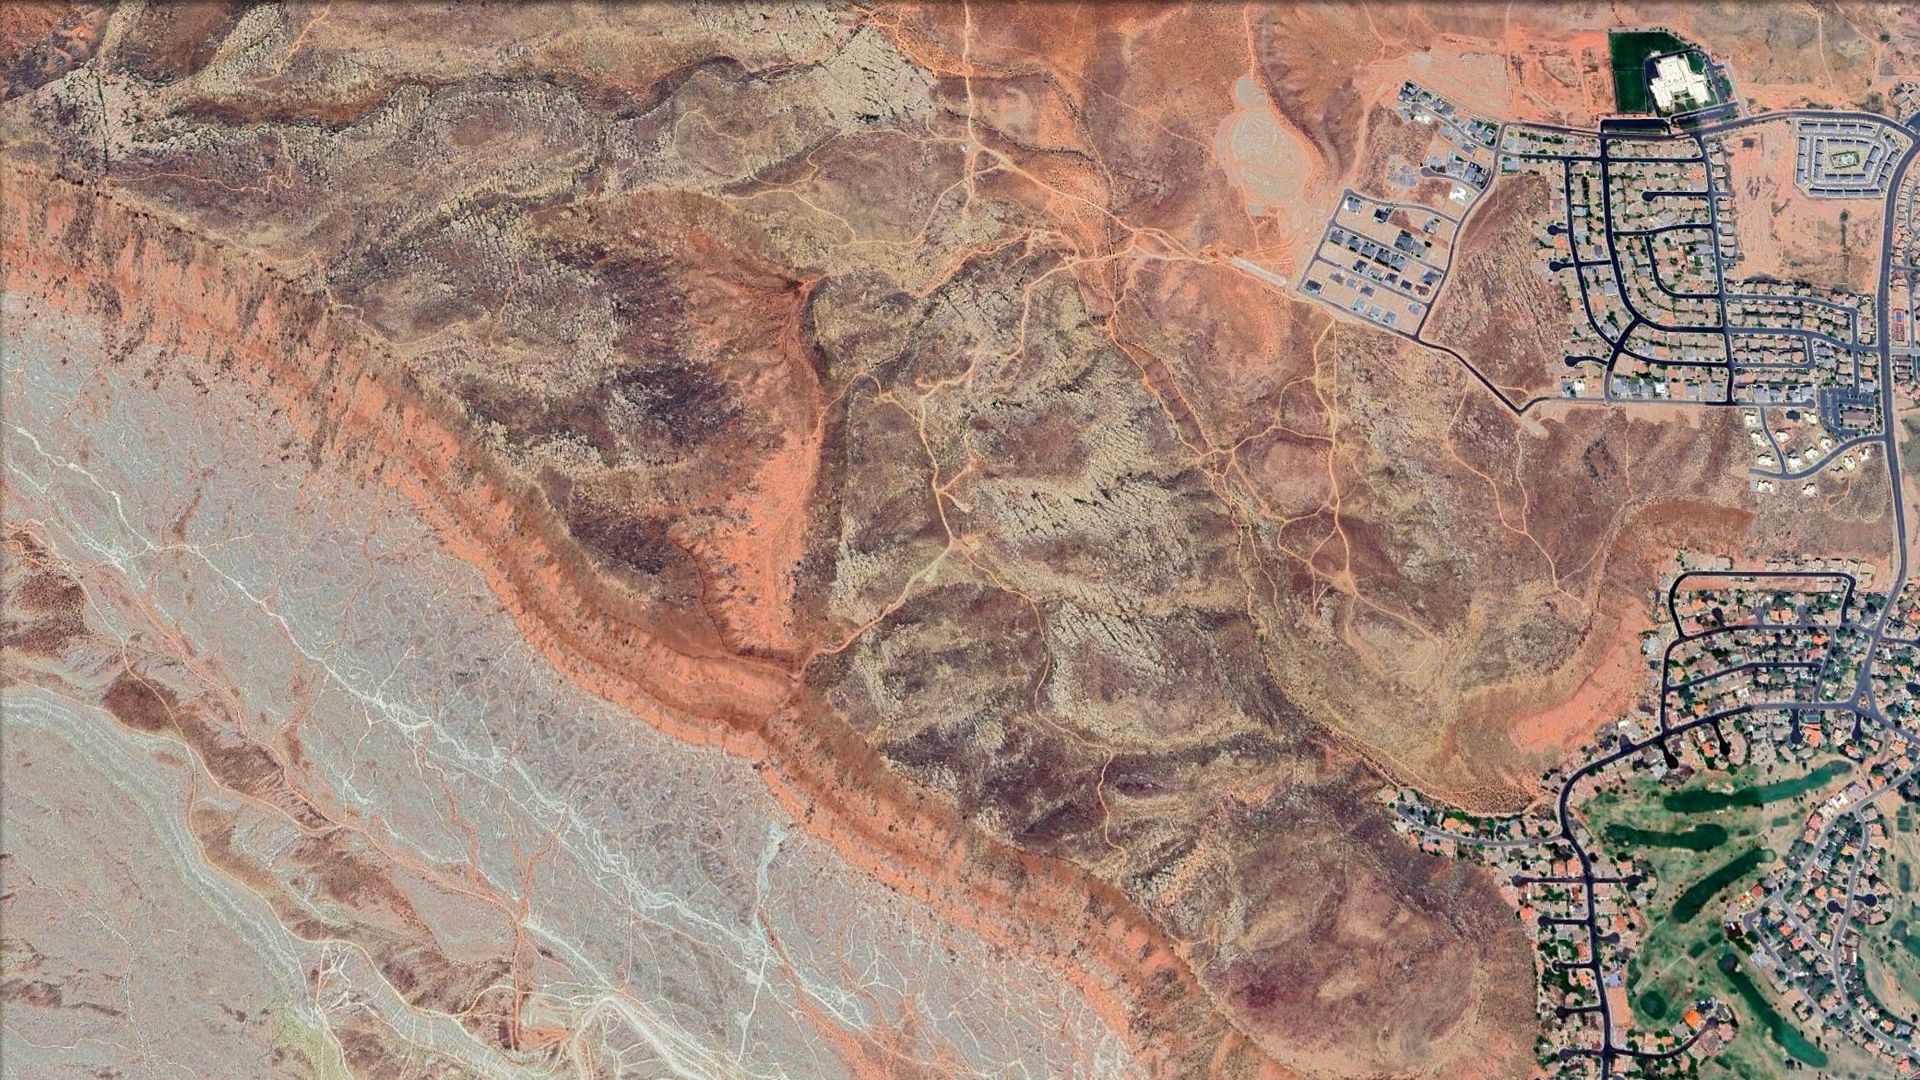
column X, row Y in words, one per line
column 1720, row 882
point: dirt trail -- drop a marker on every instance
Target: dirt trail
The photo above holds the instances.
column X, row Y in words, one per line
column 88, row 255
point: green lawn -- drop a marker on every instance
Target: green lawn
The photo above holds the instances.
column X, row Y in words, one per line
column 1629, row 50
column 1890, row 958
column 1677, row 954
column 1905, row 937
column 1691, row 902
column 1698, row 838
column 1789, row 1037
column 1701, row 800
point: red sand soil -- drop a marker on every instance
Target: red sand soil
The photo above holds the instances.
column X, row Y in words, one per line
column 1605, row 694
column 335, row 386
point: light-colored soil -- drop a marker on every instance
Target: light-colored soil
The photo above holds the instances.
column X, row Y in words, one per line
column 357, row 400
column 1787, row 236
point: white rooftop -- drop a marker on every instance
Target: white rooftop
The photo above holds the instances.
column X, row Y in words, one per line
column 1675, row 80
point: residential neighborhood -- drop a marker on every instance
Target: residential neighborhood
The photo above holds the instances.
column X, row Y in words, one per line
column 1728, row 854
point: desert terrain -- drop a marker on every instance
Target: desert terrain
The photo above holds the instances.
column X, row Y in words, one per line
column 801, row 541
column 1788, row 237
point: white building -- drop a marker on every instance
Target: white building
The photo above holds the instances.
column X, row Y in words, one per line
column 1674, row 80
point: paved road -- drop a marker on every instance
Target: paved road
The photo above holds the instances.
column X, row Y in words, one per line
column 1825, row 459
column 1698, row 136
column 1860, row 700
column 1861, row 703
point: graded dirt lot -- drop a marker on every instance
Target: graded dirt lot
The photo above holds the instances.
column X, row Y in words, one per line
column 1787, row 236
